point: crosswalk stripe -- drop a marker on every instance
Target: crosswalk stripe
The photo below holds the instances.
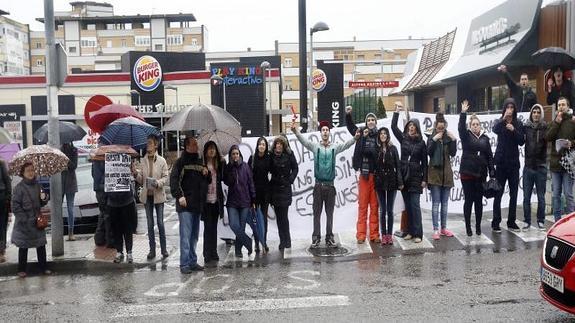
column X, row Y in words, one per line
column 533, row 234
column 458, row 229
column 411, row 245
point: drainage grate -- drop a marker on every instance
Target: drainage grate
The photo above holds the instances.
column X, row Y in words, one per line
column 329, row 252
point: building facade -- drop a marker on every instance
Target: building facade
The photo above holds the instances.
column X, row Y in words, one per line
column 14, row 46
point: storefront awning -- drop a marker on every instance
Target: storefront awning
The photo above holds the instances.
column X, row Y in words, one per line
column 496, row 35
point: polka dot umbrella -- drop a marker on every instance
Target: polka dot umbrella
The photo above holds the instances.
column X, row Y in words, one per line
column 47, row 160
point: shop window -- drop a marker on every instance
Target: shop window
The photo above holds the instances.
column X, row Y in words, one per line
column 288, row 62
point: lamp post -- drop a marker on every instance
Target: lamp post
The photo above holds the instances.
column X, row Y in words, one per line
column 320, row 26
column 265, row 65
column 217, row 80
column 171, row 87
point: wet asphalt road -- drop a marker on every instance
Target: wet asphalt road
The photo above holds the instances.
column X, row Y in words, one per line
column 458, row 285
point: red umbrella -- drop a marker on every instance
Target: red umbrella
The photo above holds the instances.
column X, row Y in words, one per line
column 100, row 119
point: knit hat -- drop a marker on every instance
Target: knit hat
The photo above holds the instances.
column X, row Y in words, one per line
column 371, row 114
column 324, row 124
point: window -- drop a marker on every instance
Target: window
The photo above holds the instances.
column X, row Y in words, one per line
column 38, row 45
column 142, row 41
column 39, row 62
column 288, row 86
column 174, row 40
column 377, row 56
column 91, row 27
column 72, row 49
column 88, row 42
column 361, row 57
column 159, row 47
column 288, row 62
column 397, row 56
column 108, row 43
column 289, row 106
column 123, row 43
column 194, row 41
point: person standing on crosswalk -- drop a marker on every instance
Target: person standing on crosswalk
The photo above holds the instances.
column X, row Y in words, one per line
column 535, row 168
column 413, row 171
column 324, row 154
column 510, row 136
column 441, row 146
column 476, row 163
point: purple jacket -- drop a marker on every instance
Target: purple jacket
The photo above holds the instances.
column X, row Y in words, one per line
column 238, row 178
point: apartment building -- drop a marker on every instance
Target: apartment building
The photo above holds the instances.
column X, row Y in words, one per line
column 14, row 47
column 95, row 38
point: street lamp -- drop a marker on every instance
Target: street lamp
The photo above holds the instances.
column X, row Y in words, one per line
column 320, row 26
column 171, row 87
column 217, row 80
column 265, row 65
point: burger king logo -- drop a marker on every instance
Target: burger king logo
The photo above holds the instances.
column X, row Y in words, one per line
column 147, row 73
column 318, row 80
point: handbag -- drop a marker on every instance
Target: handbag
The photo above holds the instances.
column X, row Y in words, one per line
column 567, row 161
column 42, row 220
column 491, row 188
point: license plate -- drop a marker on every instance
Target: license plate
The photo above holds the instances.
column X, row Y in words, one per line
column 552, row 280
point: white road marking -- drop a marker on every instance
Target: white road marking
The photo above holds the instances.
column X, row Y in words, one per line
column 411, row 245
column 534, row 234
column 230, row 306
column 458, row 229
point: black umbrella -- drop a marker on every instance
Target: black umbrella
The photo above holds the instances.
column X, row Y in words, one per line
column 554, row 56
column 69, row 132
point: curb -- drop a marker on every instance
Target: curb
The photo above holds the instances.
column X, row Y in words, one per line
column 75, row 266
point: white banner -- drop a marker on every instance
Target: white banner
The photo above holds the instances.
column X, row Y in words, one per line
column 117, row 173
column 345, row 214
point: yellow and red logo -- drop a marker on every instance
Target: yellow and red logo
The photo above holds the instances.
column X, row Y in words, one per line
column 147, row 73
column 318, row 80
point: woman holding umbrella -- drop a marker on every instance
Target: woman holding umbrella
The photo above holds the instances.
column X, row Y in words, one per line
column 27, row 200
column 214, row 208
column 241, row 196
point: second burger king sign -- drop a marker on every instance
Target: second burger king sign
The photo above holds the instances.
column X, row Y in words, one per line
column 318, row 80
column 147, row 73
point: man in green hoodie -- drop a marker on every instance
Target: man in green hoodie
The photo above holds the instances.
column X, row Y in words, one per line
column 324, row 153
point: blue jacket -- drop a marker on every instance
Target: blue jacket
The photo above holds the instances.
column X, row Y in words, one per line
column 238, row 178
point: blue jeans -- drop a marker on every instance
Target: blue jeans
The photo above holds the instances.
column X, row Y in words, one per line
column 386, row 200
column 150, row 206
column 439, row 196
column 413, row 209
column 238, row 219
column 561, row 182
column 189, row 232
column 70, row 207
column 537, row 177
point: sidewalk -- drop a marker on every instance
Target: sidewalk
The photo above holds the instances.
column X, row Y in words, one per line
column 83, row 256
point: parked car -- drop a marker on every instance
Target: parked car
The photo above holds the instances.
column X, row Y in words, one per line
column 85, row 204
column 558, row 265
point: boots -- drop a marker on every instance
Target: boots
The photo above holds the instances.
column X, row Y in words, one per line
column 2, row 256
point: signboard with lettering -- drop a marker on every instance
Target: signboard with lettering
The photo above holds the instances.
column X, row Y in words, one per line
column 330, row 99
column 118, row 176
column 15, row 130
column 318, row 80
column 372, row 84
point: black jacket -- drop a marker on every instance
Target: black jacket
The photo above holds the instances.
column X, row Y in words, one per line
column 413, row 155
column 388, row 169
column 187, row 180
column 284, row 169
column 566, row 90
column 525, row 101
column 508, row 142
column 261, row 167
column 535, row 144
column 365, row 146
column 477, row 158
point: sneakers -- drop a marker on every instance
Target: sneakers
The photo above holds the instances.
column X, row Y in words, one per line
column 129, row 257
column 330, row 242
column 496, row 229
column 197, row 267
column 435, row 235
column 526, row 227
column 22, row 274
column 513, row 227
column 376, row 240
column 447, row 233
column 189, row 270
column 417, row 240
column 315, row 243
column 251, row 256
column 387, row 240
column 408, row 237
column 360, row 241
column 541, row 226
column 119, row 257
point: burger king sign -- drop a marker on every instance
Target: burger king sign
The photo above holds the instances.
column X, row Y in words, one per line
column 147, row 73
column 318, row 80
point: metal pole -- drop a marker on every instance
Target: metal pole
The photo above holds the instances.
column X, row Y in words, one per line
column 178, row 132
column 302, row 65
column 270, row 109
column 52, row 69
column 309, row 79
column 264, row 70
column 224, row 85
column 161, row 128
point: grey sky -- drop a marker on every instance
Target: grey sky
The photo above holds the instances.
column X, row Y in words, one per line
column 236, row 25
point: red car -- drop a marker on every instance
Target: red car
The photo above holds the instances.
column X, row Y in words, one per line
column 558, row 265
